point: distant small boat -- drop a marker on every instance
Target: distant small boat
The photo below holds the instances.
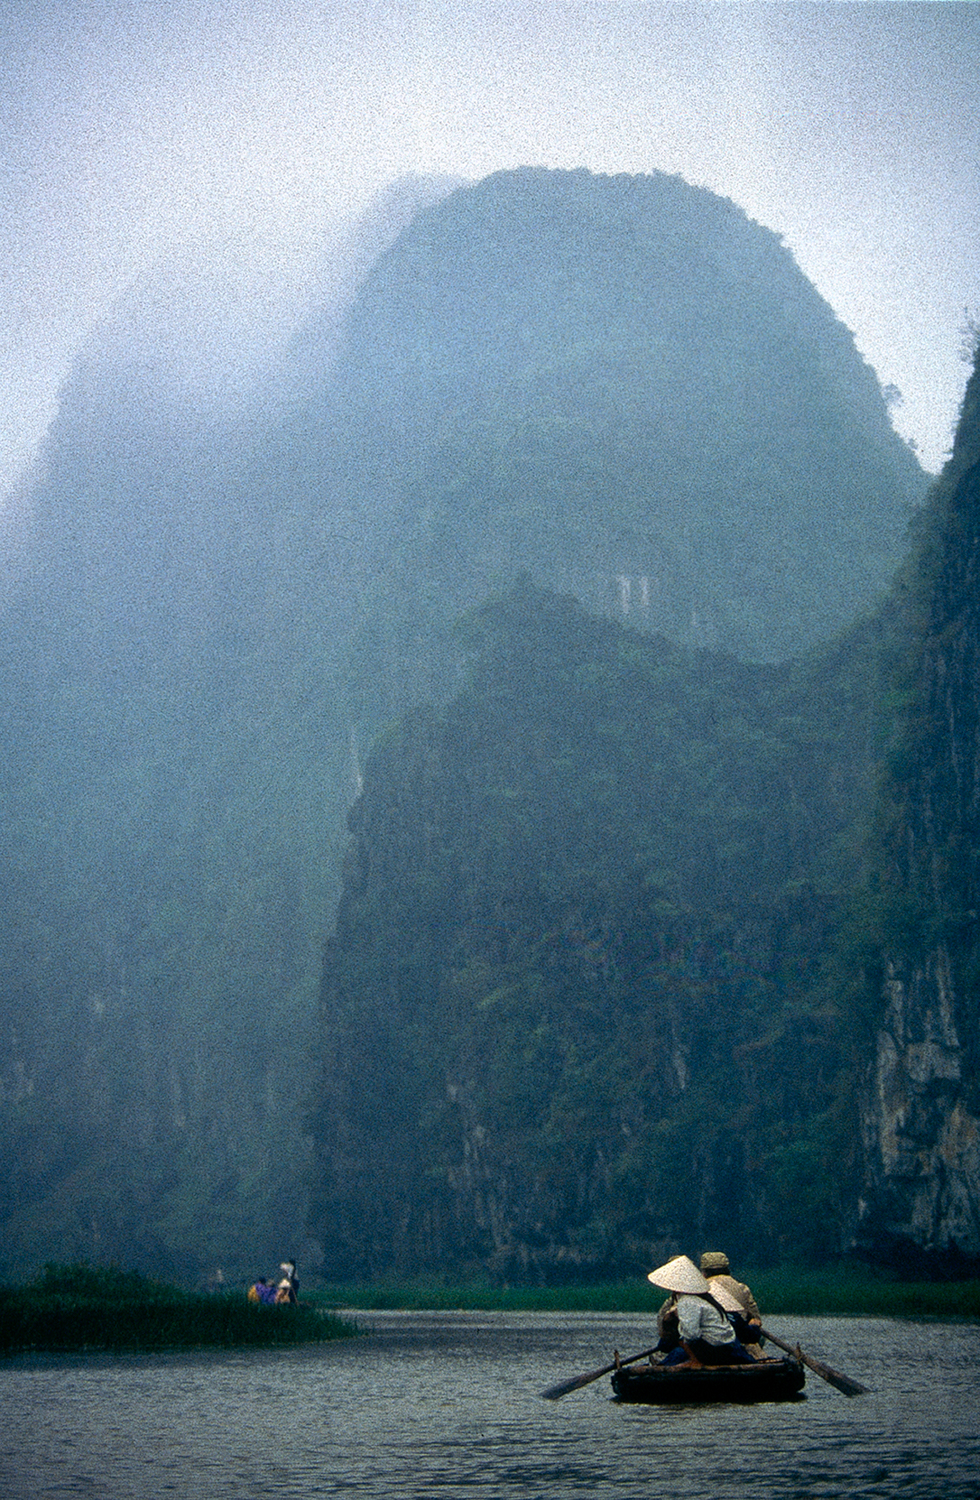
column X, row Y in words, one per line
column 661, row 1385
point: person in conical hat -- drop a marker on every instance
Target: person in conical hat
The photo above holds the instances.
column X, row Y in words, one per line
column 679, row 1275
column 704, row 1334
column 748, row 1319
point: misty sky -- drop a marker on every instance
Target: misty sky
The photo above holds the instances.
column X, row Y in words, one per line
column 245, row 132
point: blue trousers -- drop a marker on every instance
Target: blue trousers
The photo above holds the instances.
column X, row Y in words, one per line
column 712, row 1354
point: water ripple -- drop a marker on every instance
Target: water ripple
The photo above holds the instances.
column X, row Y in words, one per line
column 449, row 1405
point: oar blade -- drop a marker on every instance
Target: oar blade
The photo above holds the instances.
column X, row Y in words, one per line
column 555, row 1392
column 840, row 1382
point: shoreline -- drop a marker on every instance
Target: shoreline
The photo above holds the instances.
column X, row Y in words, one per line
column 783, row 1293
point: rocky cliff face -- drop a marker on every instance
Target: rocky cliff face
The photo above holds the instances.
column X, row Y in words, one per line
column 921, row 1109
column 921, row 1137
column 562, row 1021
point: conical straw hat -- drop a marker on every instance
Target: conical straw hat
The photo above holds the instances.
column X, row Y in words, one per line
column 724, row 1295
column 679, row 1275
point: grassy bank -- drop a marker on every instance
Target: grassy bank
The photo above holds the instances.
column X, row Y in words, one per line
column 78, row 1308
column 70, row 1308
column 828, row 1293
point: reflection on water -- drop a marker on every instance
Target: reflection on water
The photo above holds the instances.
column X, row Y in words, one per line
column 448, row 1404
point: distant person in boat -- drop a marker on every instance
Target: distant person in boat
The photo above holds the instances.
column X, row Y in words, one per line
column 288, row 1289
column 704, row 1334
column 747, row 1322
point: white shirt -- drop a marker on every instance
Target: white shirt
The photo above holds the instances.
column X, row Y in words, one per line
column 699, row 1319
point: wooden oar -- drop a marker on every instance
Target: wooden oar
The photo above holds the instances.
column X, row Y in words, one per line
column 555, row 1392
column 833, row 1377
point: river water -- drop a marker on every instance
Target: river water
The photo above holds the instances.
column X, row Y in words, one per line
column 447, row 1405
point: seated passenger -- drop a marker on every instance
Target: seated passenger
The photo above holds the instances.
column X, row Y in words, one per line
column 747, row 1322
column 667, row 1326
column 705, row 1335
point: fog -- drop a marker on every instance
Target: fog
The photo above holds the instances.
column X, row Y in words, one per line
column 237, row 140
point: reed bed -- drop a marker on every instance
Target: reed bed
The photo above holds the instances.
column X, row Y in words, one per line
column 819, row 1293
column 81, row 1308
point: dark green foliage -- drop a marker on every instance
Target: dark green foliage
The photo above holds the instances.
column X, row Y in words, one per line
column 921, row 895
column 611, row 954
column 562, row 1011
column 932, row 806
column 81, row 1307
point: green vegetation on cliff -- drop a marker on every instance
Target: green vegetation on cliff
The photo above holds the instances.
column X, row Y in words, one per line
column 643, row 947
column 575, row 1005
column 921, row 1116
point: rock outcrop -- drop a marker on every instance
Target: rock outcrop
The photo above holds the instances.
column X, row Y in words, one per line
column 921, row 1108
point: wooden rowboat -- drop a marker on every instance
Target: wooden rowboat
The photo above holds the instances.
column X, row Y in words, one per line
column 763, row 1380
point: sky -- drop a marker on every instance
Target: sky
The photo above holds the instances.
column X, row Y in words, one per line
column 241, row 136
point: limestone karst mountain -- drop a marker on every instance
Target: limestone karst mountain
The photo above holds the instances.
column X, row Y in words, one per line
column 620, row 387
column 626, row 388
column 642, row 946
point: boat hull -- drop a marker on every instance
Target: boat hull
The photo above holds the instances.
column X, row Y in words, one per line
column 659, row 1385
